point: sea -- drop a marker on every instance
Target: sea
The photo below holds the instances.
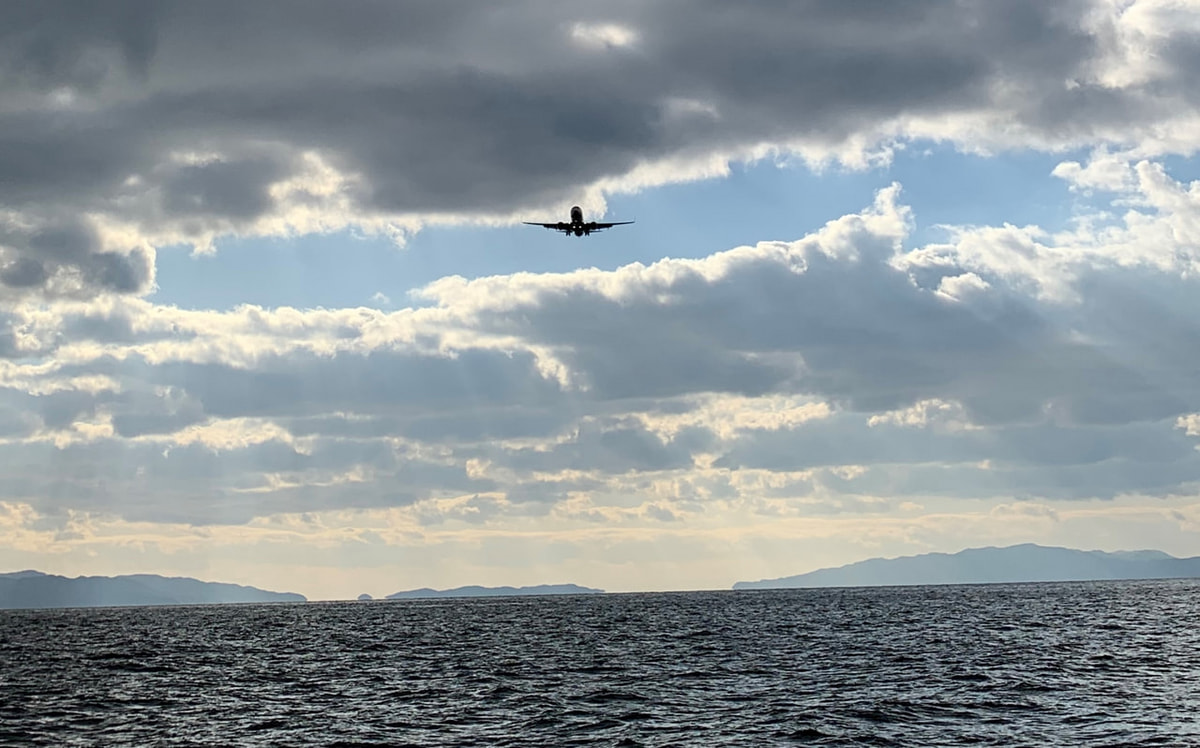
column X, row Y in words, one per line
column 1062, row 664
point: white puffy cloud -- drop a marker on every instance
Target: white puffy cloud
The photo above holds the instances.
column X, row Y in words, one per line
column 1103, row 171
column 847, row 363
column 122, row 132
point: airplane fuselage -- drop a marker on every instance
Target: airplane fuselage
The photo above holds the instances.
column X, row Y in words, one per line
column 577, row 225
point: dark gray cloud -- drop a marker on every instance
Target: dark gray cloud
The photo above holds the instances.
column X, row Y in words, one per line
column 198, row 484
column 378, row 383
column 58, row 410
column 847, row 440
column 435, row 109
column 23, row 272
column 66, row 257
column 141, row 412
column 235, row 190
column 611, row 450
column 444, row 109
column 15, row 423
column 1106, row 479
column 76, row 43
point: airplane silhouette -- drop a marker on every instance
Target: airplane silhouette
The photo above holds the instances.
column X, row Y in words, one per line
column 576, row 225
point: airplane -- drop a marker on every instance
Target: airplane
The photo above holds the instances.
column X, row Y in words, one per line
column 577, row 226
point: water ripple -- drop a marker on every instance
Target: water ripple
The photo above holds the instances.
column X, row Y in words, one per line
column 1087, row 664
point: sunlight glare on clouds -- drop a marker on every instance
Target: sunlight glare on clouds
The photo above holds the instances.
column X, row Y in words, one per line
column 572, row 444
column 812, row 346
column 602, row 35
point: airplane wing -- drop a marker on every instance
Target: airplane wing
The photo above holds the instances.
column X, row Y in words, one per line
column 593, row 226
column 552, row 226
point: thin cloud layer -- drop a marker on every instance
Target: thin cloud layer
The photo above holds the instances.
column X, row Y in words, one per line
column 147, row 124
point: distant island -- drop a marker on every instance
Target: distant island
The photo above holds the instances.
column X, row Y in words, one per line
column 1017, row 563
column 476, row 591
column 33, row 589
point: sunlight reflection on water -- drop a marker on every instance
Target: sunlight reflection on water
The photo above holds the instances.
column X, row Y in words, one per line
column 1112, row 663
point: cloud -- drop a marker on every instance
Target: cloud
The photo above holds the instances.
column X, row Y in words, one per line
column 603, row 35
column 395, row 116
column 852, row 387
column 65, row 257
column 1104, row 171
column 827, row 374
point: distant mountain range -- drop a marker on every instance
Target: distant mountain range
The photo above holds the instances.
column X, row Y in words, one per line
column 476, row 591
column 1018, row 563
column 33, row 589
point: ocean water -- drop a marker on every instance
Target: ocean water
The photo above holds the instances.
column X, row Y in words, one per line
column 1077, row 664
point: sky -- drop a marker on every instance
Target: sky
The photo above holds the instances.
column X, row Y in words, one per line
column 904, row 277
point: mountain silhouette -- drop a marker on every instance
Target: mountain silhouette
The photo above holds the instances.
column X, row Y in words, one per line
column 33, row 589
column 1017, row 563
